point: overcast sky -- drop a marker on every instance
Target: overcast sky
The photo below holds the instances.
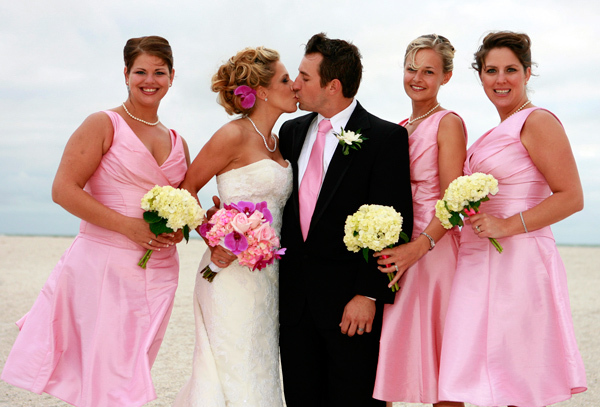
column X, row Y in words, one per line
column 62, row 60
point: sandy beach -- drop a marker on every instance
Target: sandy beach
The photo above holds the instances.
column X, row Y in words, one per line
column 26, row 262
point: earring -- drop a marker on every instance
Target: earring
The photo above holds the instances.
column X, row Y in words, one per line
column 266, row 99
column 127, row 83
column 170, row 84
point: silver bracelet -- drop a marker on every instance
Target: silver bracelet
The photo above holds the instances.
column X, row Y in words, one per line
column 431, row 241
column 523, row 222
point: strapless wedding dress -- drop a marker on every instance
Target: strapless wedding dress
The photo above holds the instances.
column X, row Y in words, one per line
column 236, row 357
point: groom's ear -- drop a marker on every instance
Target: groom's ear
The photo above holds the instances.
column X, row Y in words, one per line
column 334, row 87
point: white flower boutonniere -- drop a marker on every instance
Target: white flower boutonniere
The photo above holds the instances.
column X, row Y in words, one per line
column 350, row 139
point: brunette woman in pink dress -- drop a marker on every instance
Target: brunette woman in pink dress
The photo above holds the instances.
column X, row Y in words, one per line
column 411, row 337
column 509, row 335
column 93, row 333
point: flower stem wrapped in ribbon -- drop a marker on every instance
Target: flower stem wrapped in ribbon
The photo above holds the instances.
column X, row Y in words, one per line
column 463, row 197
column 245, row 229
column 374, row 227
column 168, row 209
column 247, row 96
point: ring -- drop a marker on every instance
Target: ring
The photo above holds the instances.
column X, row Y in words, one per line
column 395, row 265
column 221, row 261
column 361, row 329
column 150, row 242
column 478, row 230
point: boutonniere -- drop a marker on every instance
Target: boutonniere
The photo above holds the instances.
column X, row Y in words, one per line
column 350, row 139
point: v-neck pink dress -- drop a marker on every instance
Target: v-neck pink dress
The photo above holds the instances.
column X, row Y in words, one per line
column 94, row 331
column 411, row 335
column 509, row 336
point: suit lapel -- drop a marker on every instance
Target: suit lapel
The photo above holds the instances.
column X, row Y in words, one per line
column 340, row 163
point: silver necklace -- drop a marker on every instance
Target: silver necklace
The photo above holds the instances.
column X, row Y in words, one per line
column 424, row 116
column 263, row 137
column 521, row 108
column 138, row 119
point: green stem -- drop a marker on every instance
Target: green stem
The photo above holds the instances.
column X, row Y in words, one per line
column 496, row 244
column 395, row 286
column 144, row 259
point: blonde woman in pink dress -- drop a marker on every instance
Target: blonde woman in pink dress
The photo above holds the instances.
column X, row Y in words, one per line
column 94, row 332
column 509, row 335
column 413, row 326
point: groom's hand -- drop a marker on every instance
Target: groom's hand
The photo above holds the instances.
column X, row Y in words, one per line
column 358, row 316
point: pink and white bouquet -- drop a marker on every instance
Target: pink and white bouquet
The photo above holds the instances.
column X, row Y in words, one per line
column 463, row 197
column 245, row 229
column 168, row 209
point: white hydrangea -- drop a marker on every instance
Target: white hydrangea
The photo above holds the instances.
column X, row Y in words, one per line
column 175, row 205
column 373, row 227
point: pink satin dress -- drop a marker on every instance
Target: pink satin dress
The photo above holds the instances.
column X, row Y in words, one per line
column 509, row 336
column 411, row 336
column 94, row 331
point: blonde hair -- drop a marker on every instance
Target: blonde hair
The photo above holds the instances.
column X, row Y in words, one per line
column 252, row 67
column 438, row 43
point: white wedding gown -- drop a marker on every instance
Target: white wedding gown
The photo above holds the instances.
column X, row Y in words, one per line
column 236, row 357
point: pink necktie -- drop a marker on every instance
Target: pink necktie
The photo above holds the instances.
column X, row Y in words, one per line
column 313, row 176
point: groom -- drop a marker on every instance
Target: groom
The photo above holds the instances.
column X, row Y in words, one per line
column 331, row 300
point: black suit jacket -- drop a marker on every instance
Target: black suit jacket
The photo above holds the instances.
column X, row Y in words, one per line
column 320, row 273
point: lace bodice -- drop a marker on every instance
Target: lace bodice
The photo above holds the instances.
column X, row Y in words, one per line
column 263, row 180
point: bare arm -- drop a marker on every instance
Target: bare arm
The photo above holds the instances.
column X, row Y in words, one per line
column 451, row 157
column 549, row 148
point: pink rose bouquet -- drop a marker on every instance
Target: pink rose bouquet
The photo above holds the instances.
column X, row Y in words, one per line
column 245, row 229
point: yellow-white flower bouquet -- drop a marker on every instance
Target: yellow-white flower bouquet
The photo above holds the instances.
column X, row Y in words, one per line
column 168, row 209
column 374, row 227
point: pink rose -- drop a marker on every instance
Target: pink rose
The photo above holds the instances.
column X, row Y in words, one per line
column 255, row 219
column 264, row 232
column 240, row 223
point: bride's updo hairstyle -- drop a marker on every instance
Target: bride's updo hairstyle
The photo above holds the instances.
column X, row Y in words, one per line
column 252, row 67
column 518, row 43
column 438, row 43
column 151, row 45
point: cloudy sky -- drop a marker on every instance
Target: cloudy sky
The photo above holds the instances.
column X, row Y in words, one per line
column 62, row 60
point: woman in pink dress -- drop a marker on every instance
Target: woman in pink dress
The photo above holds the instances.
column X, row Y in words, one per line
column 411, row 336
column 94, row 331
column 509, row 335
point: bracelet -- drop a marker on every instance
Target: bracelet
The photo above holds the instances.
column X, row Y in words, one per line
column 431, row 241
column 523, row 222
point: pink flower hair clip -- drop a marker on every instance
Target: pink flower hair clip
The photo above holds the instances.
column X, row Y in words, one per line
column 247, row 96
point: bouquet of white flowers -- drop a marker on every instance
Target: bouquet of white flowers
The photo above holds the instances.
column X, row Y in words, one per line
column 168, row 209
column 463, row 197
column 374, row 227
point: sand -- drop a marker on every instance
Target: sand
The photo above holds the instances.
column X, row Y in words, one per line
column 25, row 263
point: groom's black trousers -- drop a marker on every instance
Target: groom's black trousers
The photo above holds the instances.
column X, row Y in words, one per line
column 323, row 367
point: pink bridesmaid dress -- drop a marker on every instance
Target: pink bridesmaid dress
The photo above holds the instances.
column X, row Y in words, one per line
column 94, row 331
column 509, row 336
column 411, row 336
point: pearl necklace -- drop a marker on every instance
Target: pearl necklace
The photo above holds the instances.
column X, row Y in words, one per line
column 424, row 116
column 263, row 137
column 519, row 109
column 140, row 120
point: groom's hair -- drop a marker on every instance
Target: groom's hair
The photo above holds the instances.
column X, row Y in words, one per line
column 341, row 61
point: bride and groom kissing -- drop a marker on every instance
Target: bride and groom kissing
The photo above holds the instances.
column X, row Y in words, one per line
column 320, row 309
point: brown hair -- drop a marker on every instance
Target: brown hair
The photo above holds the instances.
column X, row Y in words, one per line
column 151, row 45
column 341, row 61
column 252, row 67
column 518, row 43
column 438, row 43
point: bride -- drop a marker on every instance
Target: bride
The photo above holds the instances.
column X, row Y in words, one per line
column 236, row 357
